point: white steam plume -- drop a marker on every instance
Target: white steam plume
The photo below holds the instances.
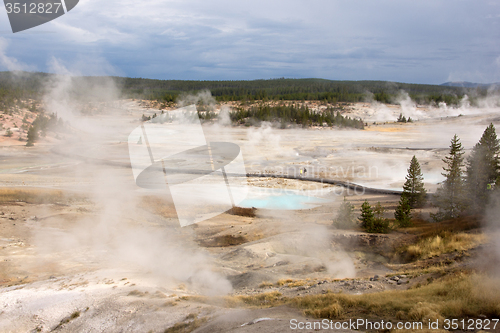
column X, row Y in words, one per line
column 121, row 235
column 10, row 63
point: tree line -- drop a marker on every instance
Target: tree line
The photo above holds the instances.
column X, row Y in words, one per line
column 33, row 84
column 330, row 91
column 300, row 115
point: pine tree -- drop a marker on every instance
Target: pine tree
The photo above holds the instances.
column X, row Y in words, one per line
column 378, row 211
column 380, row 224
column 32, row 136
column 483, row 168
column 450, row 198
column 345, row 217
column 413, row 188
column 367, row 217
column 402, row 214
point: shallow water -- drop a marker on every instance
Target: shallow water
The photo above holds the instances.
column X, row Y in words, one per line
column 281, row 200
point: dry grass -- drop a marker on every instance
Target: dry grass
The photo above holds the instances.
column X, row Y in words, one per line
column 403, row 269
column 282, row 282
column 266, row 284
column 190, row 323
column 425, row 229
column 66, row 320
column 169, row 303
column 291, row 283
column 264, row 300
column 37, row 196
column 460, row 295
column 457, row 296
column 445, row 242
column 136, row 293
column 298, row 283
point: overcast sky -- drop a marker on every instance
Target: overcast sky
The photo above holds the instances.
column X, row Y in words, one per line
column 397, row 40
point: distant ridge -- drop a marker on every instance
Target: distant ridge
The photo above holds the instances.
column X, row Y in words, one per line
column 465, row 84
column 17, row 85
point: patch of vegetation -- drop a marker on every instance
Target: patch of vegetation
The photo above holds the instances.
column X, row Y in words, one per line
column 446, row 242
column 262, row 300
column 136, row 292
column 282, row 282
column 297, row 90
column 37, row 196
column 299, row 115
column 402, row 119
column 41, row 125
column 457, row 296
column 66, row 320
column 14, row 87
column 191, row 322
column 169, row 303
column 372, row 220
column 297, row 283
column 402, row 214
column 345, row 218
column 266, row 284
column 424, row 229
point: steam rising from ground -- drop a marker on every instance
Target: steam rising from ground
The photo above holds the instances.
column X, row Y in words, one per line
column 380, row 112
column 224, row 118
column 70, row 96
column 203, row 97
column 492, row 221
column 121, row 235
column 314, row 241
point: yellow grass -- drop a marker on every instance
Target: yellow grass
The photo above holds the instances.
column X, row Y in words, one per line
column 36, row 196
column 461, row 295
column 446, row 242
column 282, row 282
column 266, row 284
column 457, row 296
column 293, row 283
column 265, row 300
column 297, row 283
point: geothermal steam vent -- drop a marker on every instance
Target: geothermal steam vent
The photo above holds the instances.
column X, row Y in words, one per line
column 170, row 153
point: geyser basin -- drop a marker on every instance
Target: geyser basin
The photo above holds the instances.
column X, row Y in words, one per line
column 201, row 176
column 280, row 200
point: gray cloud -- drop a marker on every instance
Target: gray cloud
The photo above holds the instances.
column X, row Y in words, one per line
column 426, row 41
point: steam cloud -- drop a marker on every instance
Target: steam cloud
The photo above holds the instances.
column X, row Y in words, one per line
column 10, row 63
column 121, row 235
